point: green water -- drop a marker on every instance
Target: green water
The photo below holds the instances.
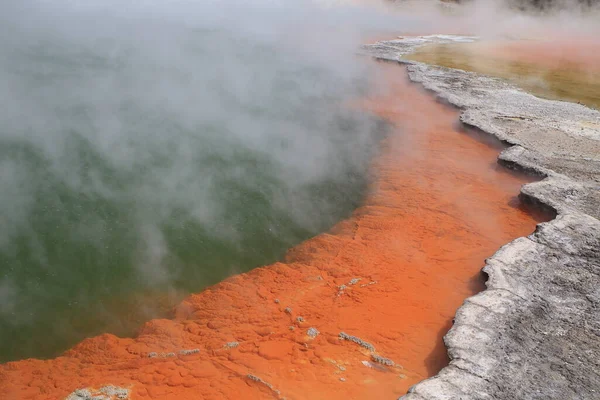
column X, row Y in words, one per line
column 143, row 160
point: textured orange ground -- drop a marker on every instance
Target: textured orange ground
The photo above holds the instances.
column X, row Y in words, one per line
column 438, row 206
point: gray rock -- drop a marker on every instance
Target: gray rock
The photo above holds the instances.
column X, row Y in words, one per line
column 312, row 332
column 108, row 392
column 187, row 352
column 393, row 50
column 115, row 392
column 357, row 340
column 535, row 332
column 382, row 360
column 259, row 380
column 80, row 394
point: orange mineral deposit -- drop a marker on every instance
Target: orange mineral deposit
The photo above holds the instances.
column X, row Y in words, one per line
column 355, row 313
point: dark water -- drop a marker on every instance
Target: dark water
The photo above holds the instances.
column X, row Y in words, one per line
column 145, row 157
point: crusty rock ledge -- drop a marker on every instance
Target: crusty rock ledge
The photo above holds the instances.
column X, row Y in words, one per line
column 535, row 332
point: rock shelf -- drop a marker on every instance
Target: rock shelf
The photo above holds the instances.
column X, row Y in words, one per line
column 534, row 333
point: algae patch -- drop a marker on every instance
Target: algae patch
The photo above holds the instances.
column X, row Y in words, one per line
column 567, row 80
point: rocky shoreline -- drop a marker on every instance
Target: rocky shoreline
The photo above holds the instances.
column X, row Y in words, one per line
column 535, row 332
column 319, row 324
column 310, row 326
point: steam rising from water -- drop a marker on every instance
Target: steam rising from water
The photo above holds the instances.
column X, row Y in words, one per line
column 148, row 149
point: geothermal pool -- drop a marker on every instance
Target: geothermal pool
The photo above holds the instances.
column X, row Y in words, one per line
column 139, row 162
column 388, row 279
column 141, row 165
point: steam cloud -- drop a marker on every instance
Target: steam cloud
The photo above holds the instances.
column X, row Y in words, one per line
column 143, row 143
column 155, row 147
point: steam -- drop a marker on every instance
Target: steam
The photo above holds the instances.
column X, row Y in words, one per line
column 156, row 147
column 150, row 146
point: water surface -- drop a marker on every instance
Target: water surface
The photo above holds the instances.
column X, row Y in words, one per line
column 552, row 72
column 147, row 155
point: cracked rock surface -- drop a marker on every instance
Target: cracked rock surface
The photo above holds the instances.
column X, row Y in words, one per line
column 535, row 332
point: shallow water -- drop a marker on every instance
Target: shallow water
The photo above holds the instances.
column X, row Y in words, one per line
column 559, row 70
column 142, row 159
